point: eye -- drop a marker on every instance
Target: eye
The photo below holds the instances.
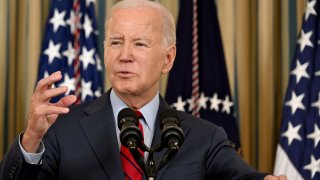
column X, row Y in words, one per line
column 115, row 43
column 141, row 44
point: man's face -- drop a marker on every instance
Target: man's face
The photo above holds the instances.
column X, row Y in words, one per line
column 135, row 56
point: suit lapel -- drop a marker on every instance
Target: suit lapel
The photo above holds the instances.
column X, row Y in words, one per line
column 157, row 138
column 99, row 127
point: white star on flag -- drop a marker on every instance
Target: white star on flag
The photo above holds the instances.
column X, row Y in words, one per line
column 315, row 135
column 292, row 133
column 179, row 105
column 69, row 82
column 300, row 71
column 295, row 102
column 227, row 105
column 86, row 89
column 97, row 92
column 314, row 166
column 305, row 40
column 69, row 53
column 215, row 101
column 317, row 73
column 317, row 103
column 71, row 21
column 99, row 66
column 46, row 74
column 57, row 19
column 86, row 57
column 310, row 9
column 52, row 51
column 87, row 26
column 203, row 101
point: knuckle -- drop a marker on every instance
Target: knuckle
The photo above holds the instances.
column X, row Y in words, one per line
column 41, row 82
column 56, row 91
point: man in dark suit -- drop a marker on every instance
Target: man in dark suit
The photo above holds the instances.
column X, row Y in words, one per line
column 83, row 142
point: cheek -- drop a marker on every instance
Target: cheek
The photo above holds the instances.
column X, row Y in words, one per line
column 107, row 66
column 153, row 71
column 109, row 61
column 156, row 66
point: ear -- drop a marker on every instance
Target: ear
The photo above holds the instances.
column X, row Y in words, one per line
column 169, row 59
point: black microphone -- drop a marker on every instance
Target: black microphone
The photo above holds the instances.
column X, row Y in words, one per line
column 171, row 132
column 128, row 124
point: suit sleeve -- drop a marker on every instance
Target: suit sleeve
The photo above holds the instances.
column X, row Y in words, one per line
column 13, row 165
column 50, row 159
column 223, row 162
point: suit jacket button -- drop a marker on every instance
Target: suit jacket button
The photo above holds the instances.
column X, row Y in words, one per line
column 12, row 172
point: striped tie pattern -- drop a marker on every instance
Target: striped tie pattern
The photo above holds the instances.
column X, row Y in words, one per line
column 131, row 169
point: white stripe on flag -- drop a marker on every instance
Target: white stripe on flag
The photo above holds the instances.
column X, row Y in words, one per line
column 283, row 165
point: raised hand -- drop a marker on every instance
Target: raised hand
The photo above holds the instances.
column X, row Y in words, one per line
column 42, row 113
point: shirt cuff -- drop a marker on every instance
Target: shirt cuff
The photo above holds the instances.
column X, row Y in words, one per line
column 32, row 158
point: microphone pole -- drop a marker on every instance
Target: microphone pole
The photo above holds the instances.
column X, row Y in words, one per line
column 171, row 138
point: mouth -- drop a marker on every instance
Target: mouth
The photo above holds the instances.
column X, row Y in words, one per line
column 125, row 74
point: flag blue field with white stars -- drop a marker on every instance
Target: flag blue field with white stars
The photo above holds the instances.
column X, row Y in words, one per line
column 214, row 101
column 59, row 52
column 298, row 153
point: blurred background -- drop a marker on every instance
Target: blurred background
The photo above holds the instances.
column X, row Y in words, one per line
column 258, row 37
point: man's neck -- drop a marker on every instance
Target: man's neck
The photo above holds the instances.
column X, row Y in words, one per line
column 135, row 102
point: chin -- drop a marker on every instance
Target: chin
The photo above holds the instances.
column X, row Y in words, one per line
column 124, row 89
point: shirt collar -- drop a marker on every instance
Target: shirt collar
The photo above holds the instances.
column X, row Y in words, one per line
column 149, row 110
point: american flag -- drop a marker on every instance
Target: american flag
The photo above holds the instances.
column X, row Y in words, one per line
column 70, row 46
column 198, row 82
column 298, row 152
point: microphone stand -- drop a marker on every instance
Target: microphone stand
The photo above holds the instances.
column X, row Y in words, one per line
column 150, row 168
column 171, row 137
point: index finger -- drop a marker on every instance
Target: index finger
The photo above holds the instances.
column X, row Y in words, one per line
column 44, row 83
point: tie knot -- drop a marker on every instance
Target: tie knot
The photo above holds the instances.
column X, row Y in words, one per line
column 139, row 114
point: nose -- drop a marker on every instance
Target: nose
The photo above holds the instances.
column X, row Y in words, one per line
column 126, row 53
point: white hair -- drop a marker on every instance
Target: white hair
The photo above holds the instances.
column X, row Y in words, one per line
column 169, row 27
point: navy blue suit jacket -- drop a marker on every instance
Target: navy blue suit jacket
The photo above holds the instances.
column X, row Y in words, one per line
column 83, row 145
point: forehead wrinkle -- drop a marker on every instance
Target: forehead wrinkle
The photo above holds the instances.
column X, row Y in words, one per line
column 132, row 35
column 130, row 27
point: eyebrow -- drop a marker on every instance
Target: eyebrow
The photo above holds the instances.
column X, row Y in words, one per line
column 116, row 37
column 142, row 39
column 119, row 37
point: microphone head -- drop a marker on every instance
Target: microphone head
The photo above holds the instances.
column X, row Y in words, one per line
column 171, row 132
column 124, row 113
column 128, row 124
column 171, row 114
